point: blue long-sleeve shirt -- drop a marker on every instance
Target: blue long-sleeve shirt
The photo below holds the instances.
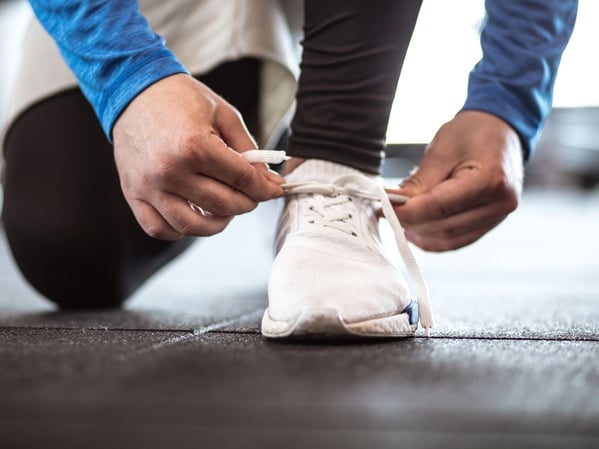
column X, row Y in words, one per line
column 110, row 48
column 522, row 43
column 115, row 55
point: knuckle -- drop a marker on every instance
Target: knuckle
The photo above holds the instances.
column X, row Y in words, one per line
column 230, row 114
column 501, row 188
column 127, row 186
column 155, row 230
column 150, row 226
column 163, row 166
column 512, row 202
column 499, row 185
column 175, row 219
column 499, row 182
column 190, row 147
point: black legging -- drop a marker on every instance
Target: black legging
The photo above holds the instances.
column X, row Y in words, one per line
column 353, row 51
column 69, row 228
column 68, row 225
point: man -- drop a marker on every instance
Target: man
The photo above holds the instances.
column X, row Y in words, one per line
column 177, row 143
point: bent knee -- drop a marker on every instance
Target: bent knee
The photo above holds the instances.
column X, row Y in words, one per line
column 71, row 272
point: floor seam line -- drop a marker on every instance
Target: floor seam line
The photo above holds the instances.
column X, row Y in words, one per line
column 97, row 329
column 421, row 337
column 194, row 334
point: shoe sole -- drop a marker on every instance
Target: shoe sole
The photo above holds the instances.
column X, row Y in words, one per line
column 326, row 323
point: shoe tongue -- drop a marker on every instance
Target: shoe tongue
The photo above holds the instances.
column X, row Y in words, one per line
column 316, row 170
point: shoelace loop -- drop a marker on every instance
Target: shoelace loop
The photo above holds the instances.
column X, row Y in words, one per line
column 329, row 207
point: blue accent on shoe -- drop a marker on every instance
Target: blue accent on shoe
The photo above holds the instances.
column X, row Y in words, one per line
column 412, row 311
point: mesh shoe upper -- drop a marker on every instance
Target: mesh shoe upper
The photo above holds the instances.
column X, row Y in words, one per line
column 329, row 252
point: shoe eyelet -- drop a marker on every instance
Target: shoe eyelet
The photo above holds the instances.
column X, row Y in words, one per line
column 311, row 221
column 354, row 234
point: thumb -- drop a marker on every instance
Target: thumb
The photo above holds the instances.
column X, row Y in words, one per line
column 235, row 134
column 431, row 172
column 232, row 129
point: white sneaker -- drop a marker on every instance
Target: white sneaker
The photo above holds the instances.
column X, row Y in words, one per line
column 330, row 277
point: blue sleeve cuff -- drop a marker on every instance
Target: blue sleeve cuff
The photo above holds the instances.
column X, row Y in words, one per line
column 111, row 49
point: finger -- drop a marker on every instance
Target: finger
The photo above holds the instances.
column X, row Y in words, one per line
column 449, row 232
column 451, row 197
column 235, row 134
column 264, row 156
column 230, row 125
column 182, row 218
column 433, row 169
column 152, row 222
column 439, row 243
column 395, row 196
column 213, row 196
column 228, row 166
column 271, row 175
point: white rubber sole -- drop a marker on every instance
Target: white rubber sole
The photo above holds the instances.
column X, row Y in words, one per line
column 326, row 323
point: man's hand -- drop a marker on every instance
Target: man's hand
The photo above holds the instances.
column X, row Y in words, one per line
column 178, row 142
column 469, row 180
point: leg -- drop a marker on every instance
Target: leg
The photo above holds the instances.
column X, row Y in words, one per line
column 69, row 228
column 331, row 277
column 353, row 51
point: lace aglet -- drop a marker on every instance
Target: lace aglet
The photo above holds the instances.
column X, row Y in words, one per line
column 265, row 156
column 427, row 332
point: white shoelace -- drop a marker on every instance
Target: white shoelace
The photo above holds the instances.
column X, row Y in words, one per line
column 329, row 211
column 330, row 205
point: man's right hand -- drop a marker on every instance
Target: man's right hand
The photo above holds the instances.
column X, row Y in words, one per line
column 178, row 142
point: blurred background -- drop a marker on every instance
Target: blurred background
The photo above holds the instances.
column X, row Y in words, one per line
column 432, row 88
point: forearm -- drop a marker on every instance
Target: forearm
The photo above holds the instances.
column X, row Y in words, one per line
column 110, row 48
column 522, row 43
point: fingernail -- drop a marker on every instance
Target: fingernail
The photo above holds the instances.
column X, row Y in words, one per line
column 276, row 177
column 397, row 199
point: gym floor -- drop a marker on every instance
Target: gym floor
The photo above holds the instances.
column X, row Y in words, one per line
column 512, row 361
